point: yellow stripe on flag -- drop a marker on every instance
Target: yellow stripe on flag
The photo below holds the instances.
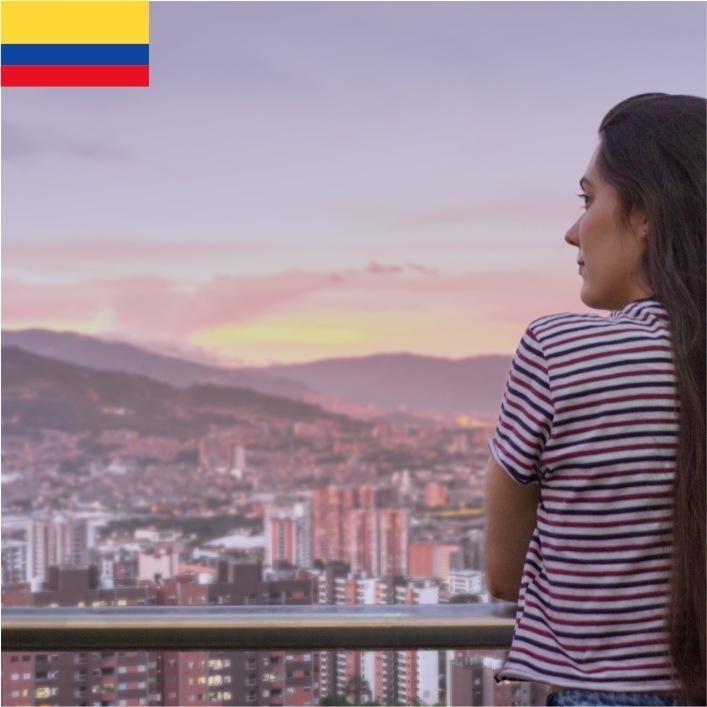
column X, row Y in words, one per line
column 75, row 22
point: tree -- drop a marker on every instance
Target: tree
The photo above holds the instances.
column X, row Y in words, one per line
column 358, row 690
column 465, row 599
column 333, row 700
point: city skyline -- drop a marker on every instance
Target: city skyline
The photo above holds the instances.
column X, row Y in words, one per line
column 313, row 180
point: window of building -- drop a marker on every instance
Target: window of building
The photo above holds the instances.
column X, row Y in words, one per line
column 14, row 659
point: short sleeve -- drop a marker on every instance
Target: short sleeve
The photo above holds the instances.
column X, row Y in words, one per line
column 525, row 420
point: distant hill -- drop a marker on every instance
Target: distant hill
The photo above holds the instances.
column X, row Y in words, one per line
column 417, row 382
column 42, row 393
column 92, row 352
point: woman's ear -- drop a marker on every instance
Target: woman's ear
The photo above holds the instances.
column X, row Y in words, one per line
column 639, row 224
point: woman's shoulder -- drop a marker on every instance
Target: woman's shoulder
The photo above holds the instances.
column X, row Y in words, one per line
column 641, row 316
column 563, row 322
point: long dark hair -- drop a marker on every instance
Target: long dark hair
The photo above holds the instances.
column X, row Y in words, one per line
column 652, row 152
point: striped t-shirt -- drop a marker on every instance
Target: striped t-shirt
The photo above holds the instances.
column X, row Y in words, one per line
column 590, row 413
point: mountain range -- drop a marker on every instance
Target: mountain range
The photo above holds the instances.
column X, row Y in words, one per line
column 43, row 393
column 388, row 381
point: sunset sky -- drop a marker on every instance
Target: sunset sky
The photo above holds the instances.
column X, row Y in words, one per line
column 309, row 180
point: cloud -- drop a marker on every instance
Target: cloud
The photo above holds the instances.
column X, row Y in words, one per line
column 422, row 269
column 107, row 256
column 377, row 268
column 21, row 142
column 150, row 308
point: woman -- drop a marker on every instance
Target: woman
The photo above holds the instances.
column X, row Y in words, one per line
column 595, row 516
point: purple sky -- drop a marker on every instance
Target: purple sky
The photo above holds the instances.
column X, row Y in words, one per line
column 305, row 180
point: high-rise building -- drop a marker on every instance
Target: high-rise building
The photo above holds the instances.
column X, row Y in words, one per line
column 388, row 677
column 471, row 681
column 81, row 677
column 377, row 541
column 57, row 540
column 418, row 671
column 14, row 562
column 234, row 677
column 288, row 534
column 435, row 494
column 338, row 529
column 430, row 558
column 330, row 507
column 223, row 453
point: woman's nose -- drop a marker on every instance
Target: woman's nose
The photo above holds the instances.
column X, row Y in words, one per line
column 572, row 235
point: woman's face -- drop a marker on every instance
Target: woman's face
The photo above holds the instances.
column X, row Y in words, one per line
column 610, row 250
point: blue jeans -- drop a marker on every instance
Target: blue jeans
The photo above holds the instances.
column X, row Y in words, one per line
column 588, row 698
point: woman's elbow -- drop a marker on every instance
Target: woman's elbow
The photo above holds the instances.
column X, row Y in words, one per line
column 501, row 586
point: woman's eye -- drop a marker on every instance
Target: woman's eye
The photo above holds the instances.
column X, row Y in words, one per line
column 585, row 199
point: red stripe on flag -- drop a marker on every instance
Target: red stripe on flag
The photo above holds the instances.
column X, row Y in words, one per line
column 68, row 76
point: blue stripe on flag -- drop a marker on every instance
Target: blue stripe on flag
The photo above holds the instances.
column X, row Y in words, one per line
column 75, row 54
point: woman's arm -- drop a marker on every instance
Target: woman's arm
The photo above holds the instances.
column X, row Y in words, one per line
column 510, row 509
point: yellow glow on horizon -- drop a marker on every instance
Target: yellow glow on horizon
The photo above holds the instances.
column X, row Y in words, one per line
column 303, row 338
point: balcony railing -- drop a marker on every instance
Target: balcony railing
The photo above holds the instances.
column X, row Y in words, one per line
column 390, row 627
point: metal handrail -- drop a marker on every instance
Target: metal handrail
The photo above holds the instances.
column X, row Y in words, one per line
column 323, row 627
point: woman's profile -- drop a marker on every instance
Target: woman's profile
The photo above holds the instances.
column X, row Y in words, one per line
column 595, row 501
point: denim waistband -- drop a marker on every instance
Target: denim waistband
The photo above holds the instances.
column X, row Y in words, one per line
column 587, row 698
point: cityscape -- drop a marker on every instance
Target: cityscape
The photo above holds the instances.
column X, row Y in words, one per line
column 231, row 497
column 214, row 496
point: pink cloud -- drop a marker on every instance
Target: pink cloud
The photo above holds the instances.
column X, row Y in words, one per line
column 151, row 308
column 377, row 268
column 422, row 269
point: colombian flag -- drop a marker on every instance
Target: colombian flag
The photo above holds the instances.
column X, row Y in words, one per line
column 75, row 43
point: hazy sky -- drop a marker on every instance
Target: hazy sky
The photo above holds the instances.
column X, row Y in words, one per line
column 304, row 180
